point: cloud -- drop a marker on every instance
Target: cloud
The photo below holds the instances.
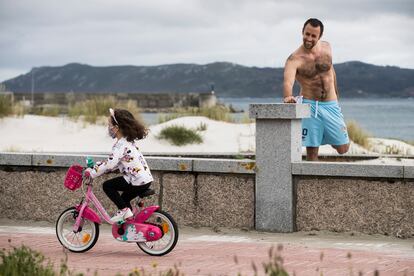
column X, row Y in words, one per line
column 260, row 33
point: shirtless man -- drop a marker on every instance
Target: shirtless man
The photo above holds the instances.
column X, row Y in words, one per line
column 311, row 65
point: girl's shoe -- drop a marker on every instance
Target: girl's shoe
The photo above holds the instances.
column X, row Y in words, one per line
column 122, row 215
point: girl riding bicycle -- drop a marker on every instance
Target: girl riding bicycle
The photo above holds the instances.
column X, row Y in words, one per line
column 126, row 157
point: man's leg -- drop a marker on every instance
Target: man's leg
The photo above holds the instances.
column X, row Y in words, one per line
column 312, row 133
column 312, row 153
column 341, row 149
column 336, row 133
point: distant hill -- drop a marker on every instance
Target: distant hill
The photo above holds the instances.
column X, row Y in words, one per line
column 355, row 79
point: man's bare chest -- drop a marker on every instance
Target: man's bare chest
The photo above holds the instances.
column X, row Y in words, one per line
column 312, row 67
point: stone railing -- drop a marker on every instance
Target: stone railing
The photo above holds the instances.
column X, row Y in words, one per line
column 294, row 195
column 198, row 192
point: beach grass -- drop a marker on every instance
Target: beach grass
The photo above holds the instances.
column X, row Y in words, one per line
column 246, row 119
column 6, row 107
column 201, row 127
column 394, row 150
column 218, row 113
column 357, row 134
column 19, row 109
column 48, row 110
column 93, row 109
column 180, row 135
column 12, row 148
column 162, row 118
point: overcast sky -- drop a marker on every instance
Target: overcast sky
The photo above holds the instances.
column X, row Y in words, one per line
column 151, row 32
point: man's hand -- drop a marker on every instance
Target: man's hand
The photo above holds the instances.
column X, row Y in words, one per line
column 289, row 99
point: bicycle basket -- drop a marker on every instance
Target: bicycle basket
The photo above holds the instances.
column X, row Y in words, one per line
column 73, row 179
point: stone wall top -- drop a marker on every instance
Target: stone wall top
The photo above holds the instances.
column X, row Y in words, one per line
column 243, row 166
column 279, row 111
column 351, row 169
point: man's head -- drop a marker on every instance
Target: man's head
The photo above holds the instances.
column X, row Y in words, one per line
column 312, row 31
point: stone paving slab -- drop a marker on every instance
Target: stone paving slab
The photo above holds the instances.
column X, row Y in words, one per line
column 228, row 252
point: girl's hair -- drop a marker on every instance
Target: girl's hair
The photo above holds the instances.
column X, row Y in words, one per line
column 131, row 128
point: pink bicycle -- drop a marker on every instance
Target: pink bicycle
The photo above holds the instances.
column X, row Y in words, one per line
column 77, row 228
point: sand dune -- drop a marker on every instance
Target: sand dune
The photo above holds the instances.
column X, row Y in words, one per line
column 62, row 135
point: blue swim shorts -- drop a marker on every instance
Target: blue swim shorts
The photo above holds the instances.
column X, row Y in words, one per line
column 325, row 126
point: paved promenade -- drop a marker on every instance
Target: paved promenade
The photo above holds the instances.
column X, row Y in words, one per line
column 226, row 252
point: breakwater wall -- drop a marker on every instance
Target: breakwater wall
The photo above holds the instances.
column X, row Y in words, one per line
column 143, row 100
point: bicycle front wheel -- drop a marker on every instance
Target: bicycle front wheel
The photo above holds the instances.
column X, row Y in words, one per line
column 80, row 241
column 170, row 234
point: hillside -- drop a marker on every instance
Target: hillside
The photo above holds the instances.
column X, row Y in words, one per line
column 355, row 79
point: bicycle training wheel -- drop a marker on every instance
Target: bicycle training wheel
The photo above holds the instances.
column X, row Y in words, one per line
column 170, row 235
column 78, row 242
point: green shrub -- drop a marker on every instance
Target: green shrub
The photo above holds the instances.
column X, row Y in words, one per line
column 357, row 134
column 24, row 261
column 180, row 135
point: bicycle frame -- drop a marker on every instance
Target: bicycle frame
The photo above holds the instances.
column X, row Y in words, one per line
column 86, row 212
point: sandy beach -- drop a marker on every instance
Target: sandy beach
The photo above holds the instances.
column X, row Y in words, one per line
column 32, row 133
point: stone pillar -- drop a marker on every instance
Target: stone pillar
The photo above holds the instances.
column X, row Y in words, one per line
column 278, row 144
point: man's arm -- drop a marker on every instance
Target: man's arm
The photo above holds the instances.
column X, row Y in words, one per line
column 288, row 80
column 333, row 69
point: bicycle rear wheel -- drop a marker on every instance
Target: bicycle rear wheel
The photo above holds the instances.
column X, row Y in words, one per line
column 78, row 242
column 170, row 234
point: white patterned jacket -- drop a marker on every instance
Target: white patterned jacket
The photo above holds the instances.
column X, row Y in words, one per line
column 129, row 160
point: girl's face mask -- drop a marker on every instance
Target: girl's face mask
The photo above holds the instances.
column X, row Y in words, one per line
column 111, row 131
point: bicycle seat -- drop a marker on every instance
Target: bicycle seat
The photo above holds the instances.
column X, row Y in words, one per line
column 146, row 193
